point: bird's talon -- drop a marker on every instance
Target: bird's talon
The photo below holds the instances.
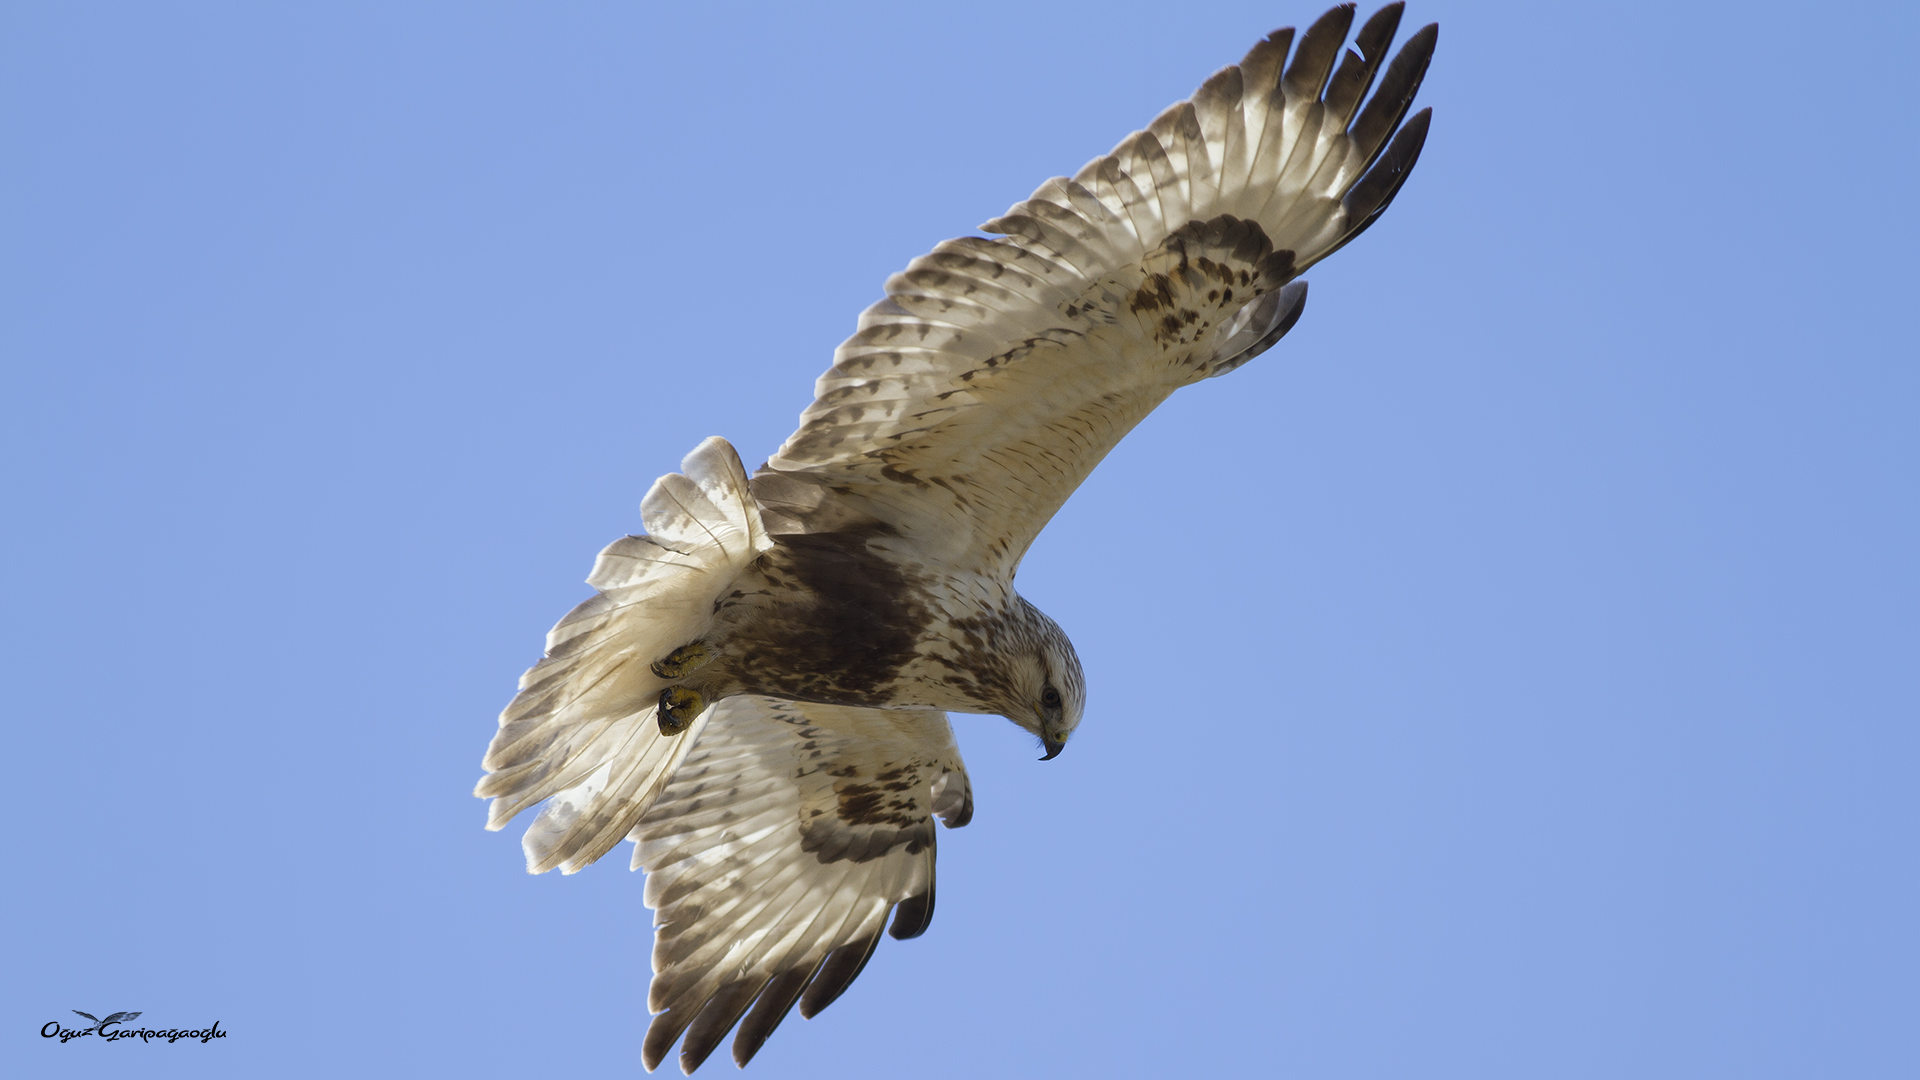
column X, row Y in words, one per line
column 683, row 661
column 679, row 707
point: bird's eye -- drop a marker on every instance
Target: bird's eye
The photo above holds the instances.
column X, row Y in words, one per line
column 1050, row 698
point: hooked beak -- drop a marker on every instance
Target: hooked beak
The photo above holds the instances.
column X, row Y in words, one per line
column 1053, row 748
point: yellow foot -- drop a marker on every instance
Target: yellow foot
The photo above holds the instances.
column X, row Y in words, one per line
column 683, row 661
column 679, row 707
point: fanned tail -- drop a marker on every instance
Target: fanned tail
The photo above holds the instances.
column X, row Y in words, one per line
column 581, row 731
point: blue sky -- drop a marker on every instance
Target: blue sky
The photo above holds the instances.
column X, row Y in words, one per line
column 1515, row 673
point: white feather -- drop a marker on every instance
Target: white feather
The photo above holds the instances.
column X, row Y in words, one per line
column 581, row 732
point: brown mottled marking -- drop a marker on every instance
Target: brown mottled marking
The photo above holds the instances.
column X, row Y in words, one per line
column 849, row 622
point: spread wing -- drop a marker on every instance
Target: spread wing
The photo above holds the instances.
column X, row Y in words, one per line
column 119, row 1018
column 998, row 372
column 773, row 858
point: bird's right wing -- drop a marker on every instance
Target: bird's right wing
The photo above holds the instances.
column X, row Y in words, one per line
column 774, row 856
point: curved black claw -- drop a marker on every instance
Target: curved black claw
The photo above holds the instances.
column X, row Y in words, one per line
column 679, row 707
column 683, row 661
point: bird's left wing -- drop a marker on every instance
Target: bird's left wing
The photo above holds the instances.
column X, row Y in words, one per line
column 998, row 372
column 774, row 856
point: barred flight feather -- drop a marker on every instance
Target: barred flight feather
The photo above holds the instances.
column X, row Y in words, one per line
column 746, row 906
column 990, row 355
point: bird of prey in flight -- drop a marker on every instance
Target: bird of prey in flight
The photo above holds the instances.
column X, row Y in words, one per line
column 756, row 695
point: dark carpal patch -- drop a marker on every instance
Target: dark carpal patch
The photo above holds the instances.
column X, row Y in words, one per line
column 871, row 811
column 830, row 840
column 872, row 815
column 1204, row 269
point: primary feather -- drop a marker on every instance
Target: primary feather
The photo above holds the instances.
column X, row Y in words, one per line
column 997, row 373
column 787, row 834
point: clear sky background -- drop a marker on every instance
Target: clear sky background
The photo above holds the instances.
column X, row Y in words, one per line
column 1515, row 673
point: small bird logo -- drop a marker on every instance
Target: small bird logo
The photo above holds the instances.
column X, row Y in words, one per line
column 114, row 1018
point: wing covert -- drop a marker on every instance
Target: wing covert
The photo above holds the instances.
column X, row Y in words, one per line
column 997, row 372
column 774, row 856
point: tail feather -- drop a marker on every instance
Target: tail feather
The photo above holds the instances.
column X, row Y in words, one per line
column 581, row 732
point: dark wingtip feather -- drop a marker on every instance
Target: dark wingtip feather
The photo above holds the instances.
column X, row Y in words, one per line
column 912, row 916
column 1260, row 68
column 716, row 1018
column 1357, row 70
column 1377, row 33
column 842, row 966
column 1319, row 47
column 1397, row 89
column 1376, row 190
column 661, row 1035
column 1369, row 198
column 774, row 1004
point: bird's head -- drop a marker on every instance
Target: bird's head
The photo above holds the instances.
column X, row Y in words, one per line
column 1046, row 689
